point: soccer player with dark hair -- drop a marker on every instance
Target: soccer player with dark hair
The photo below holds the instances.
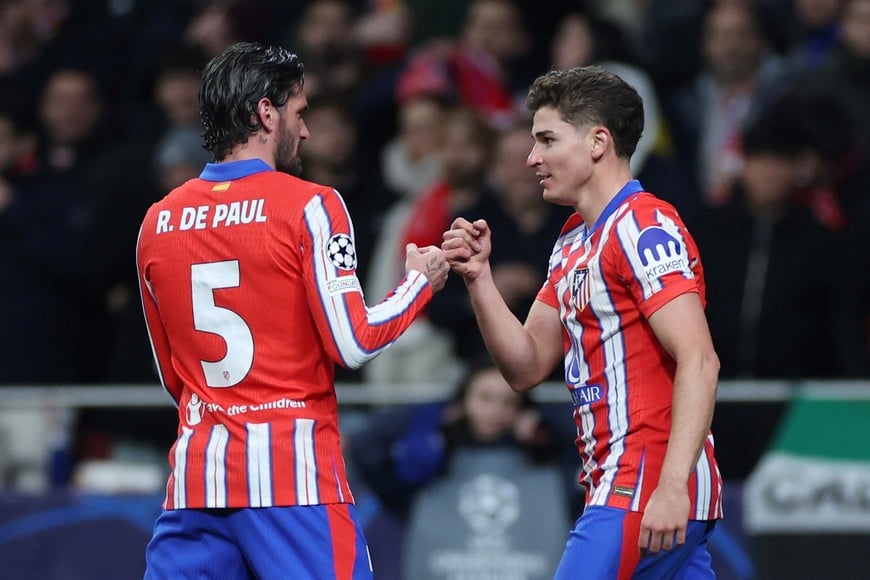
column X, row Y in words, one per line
column 623, row 307
column 249, row 287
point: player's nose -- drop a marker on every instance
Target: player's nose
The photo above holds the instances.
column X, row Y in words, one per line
column 534, row 157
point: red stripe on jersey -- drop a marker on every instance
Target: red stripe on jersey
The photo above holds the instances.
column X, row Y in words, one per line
column 237, row 490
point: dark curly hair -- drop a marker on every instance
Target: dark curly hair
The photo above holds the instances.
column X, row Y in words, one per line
column 591, row 95
column 232, row 85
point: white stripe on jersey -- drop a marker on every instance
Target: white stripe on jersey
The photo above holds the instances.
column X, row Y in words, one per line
column 340, row 321
column 604, row 310
column 216, row 468
column 628, row 232
column 404, row 295
column 307, row 492
column 587, row 420
column 258, row 446
column 338, row 489
column 704, row 495
column 717, row 509
column 704, row 507
column 179, row 496
column 575, row 335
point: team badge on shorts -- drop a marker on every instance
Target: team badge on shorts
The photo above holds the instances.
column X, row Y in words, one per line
column 341, row 252
column 580, row 288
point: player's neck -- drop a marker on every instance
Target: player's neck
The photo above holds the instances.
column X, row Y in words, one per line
column 259, row 146
column 602, row 187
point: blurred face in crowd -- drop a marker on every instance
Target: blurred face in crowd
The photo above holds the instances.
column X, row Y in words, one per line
column 292, row 131
column 211, row 30
column 70, row 107
column 25, row 24
column 421, row 127
column 573, row 43
column 491, row 406
column 517, row 183
column 817, row 14
column 333, row 139
column 327, row 24
column 856, row 27
column 465, row 155
column 176, row 93
column 769, row 179
column 733, row 45
column 495, row 27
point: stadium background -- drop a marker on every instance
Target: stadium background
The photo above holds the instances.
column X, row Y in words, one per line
column 84, row 427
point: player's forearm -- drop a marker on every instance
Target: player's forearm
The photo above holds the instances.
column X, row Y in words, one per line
column 374, row 329
column 691, row 415
column 507, row 340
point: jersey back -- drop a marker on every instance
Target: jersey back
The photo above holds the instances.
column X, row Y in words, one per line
column 250, row 296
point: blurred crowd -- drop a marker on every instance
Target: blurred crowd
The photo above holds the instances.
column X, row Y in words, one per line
column 757, row 130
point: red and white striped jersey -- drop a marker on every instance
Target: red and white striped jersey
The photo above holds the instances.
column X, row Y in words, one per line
column 606, row 282
column 249, row 287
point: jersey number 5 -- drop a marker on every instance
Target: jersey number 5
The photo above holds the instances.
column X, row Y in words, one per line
column 232, row 328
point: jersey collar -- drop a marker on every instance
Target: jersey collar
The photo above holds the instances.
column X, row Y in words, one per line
column 230, row 170
column 629, row 189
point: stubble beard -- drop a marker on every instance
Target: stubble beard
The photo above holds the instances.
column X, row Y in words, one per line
column 285, row 160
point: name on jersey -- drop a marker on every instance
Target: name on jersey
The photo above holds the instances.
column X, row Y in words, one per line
column 212, row 216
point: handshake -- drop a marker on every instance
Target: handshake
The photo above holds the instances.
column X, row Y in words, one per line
column 465, row 249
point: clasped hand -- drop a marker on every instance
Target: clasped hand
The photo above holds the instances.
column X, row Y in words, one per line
column 467, row 246
column 429, row 260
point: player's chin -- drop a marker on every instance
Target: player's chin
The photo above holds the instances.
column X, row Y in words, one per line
column 549, row 195
column 557, row 198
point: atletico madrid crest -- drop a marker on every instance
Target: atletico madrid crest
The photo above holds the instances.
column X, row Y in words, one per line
column 580, row 288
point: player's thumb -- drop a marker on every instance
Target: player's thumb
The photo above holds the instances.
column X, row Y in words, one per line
column 410, row 247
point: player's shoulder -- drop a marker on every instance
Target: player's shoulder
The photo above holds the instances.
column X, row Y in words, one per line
column 647, row 209
column 174, row 197
column 300, row 190
column 644, row 199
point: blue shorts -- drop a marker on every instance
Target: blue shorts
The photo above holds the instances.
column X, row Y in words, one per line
column 300, row 542
column 603, row 546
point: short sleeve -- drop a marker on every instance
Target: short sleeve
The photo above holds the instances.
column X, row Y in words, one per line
column 655, row 256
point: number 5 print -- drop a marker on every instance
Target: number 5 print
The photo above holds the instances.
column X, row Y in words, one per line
column 208, row 317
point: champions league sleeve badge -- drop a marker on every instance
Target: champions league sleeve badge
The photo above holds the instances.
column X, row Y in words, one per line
column 340, row 251
column 581, row 291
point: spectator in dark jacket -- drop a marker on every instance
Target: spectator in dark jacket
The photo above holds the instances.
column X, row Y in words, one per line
column 767, row 261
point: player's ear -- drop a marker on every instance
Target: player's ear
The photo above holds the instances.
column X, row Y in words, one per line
column 267, row 115
column 601, row 138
